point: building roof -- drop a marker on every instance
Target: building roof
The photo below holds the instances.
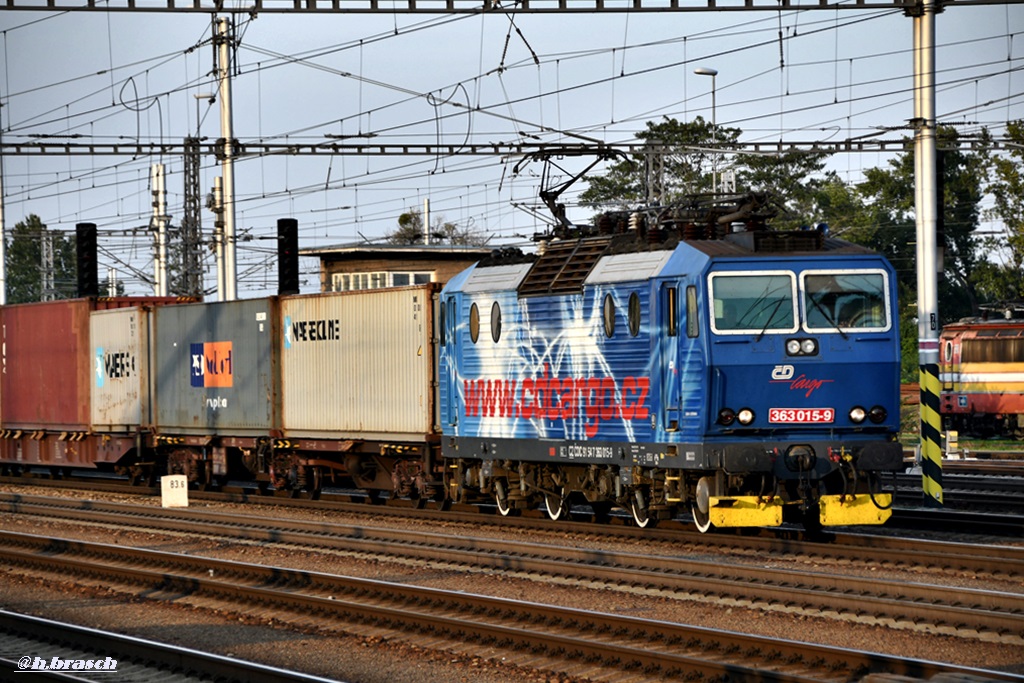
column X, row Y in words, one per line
column 362, row 250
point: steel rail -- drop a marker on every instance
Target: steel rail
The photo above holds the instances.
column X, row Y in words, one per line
column 961, row 609
column 613, row 641
column 138, row 659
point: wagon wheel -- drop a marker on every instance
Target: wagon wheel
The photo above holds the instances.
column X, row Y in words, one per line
column 141, row 474
column 315, row 482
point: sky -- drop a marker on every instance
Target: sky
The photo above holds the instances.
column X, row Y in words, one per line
column 106, row 77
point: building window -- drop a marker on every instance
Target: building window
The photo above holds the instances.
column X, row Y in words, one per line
column 350, row 282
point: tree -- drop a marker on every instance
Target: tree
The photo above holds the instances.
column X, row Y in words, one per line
column 686, row 151
column 410, row 231
column 24, row 263
column 1006, row 280
column 961, row 179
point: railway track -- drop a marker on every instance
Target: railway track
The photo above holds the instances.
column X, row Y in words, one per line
column 53, row 649
column 997, row 616
column 906, row 514
column 540, row 636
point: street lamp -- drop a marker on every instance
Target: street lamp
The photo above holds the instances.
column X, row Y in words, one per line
column 705, row 71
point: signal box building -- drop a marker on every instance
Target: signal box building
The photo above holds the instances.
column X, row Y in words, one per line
column 352, row 267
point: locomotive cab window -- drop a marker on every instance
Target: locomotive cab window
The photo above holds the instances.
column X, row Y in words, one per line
column 845, row 299
column 753, row 302
column 692, row 328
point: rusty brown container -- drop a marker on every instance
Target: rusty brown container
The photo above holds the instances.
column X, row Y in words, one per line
column 46, row 363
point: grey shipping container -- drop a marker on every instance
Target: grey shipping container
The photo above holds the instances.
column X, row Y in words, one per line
column 215, row 368
column 359, row 364
column 119, row 346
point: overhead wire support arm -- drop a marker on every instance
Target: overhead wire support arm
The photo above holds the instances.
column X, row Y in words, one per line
column 256, row 149
column 463, row 6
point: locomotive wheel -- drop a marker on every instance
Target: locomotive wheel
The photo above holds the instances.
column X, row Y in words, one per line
column 641, row 514
column 555, row 504
column 701, row 519
column 505, row 508
column 702, row 506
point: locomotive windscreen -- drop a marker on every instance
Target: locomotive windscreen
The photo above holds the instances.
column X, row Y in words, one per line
column 849, row 300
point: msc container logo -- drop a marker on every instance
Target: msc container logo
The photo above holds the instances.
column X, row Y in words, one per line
column 212, row 364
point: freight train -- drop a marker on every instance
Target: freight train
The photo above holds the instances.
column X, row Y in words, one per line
column 685, row 359
column 981, row 369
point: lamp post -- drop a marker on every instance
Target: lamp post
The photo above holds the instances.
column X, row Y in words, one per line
column 705, row 71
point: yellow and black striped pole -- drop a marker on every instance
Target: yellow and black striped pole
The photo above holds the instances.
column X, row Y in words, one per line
column 931, row 434
column 926, row 203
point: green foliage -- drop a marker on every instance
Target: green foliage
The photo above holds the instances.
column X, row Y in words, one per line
column 961, row 181
column 685, row 150
column 1006, row 282
column 24, row 263
column 793, row 179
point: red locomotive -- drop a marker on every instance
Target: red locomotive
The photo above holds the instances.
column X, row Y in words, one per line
column 981, row 367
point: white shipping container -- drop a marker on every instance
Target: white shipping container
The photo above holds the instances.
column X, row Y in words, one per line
column 119, row 343
column 358, row 364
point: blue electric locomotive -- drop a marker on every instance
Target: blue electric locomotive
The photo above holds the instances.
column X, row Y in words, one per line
column 692, row 359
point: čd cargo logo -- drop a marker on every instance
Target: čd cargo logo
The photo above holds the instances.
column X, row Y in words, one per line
column 785, row 374
column 212, row 364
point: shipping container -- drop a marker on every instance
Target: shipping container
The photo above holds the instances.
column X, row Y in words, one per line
column 47, row 370
column 215, row 368
column 119, row 381
column 359, row 364
column 46, row 365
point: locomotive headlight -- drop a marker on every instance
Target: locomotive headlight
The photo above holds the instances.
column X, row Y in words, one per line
column 745, row 416
column 801, row 347
column 857, row 414
column 878, row 414
column 726, row 416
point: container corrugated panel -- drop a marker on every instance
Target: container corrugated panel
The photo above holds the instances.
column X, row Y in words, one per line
column 358, row 364
column 119, row 381
column 46, row 364
column 214, row 368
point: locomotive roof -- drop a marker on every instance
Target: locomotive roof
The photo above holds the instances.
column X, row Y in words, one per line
column 565, row 266
column 496, row 278
column 764, row 243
